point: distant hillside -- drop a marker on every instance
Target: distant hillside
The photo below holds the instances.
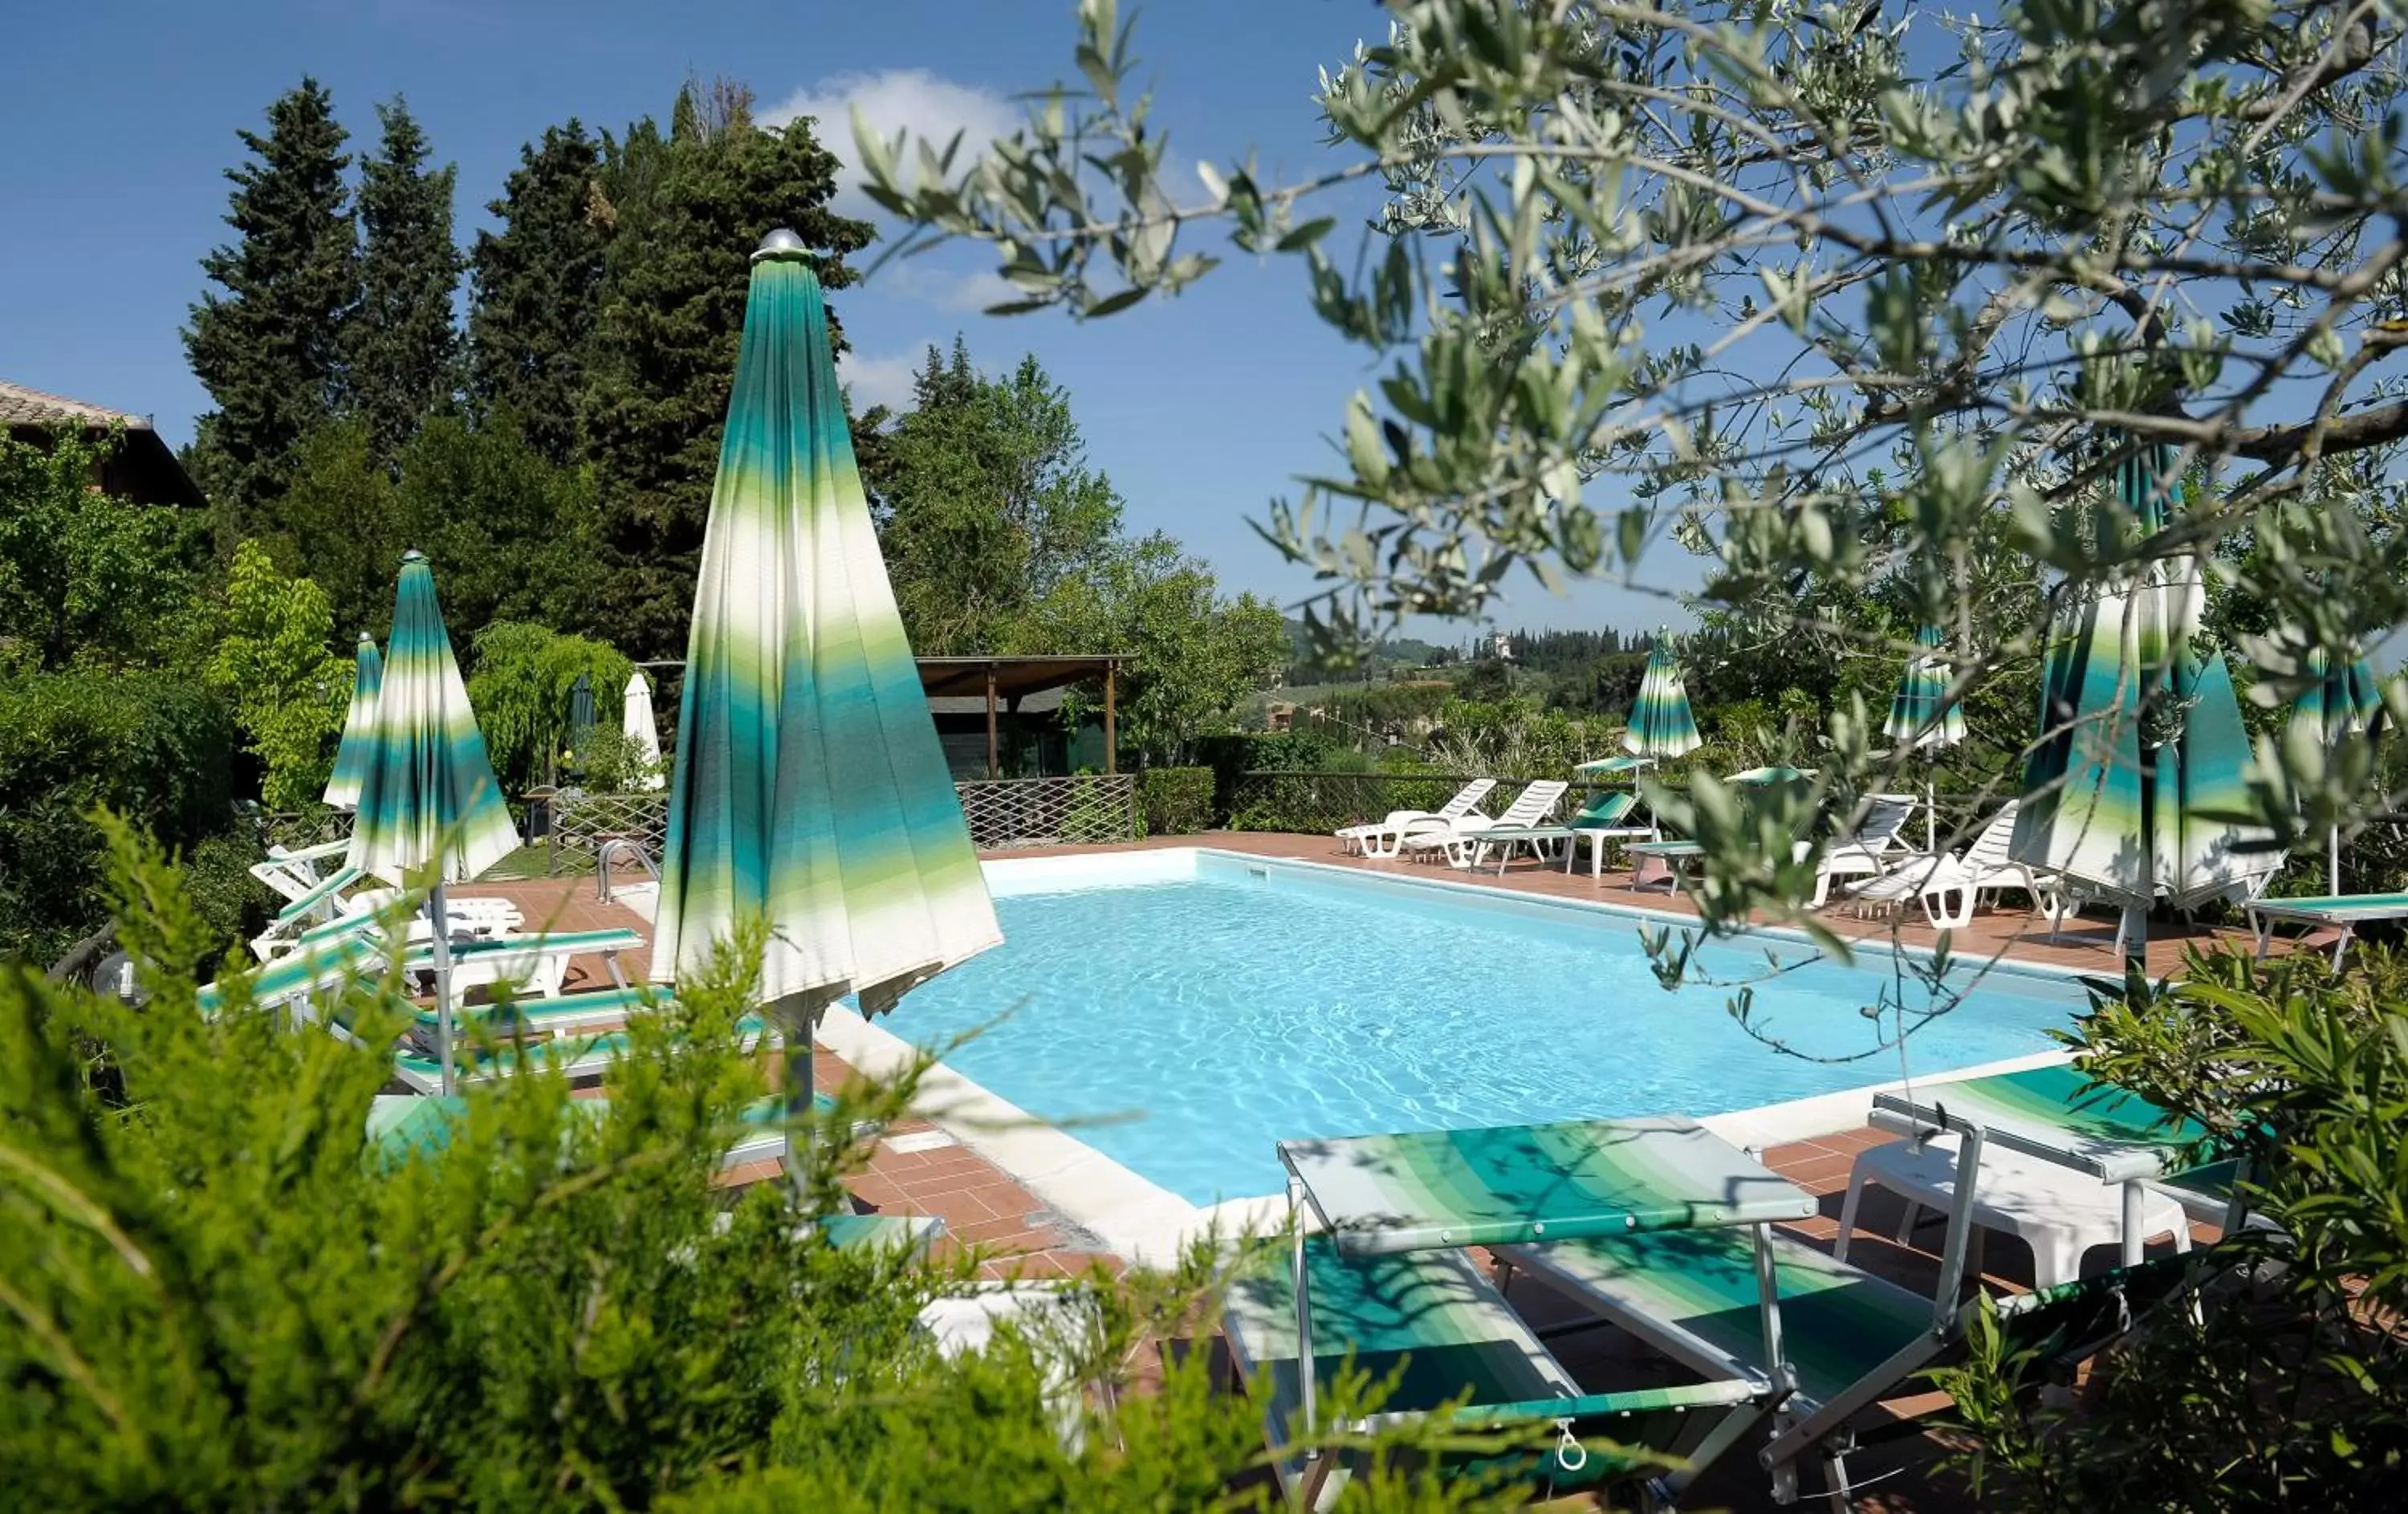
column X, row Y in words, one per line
column 1385, row 656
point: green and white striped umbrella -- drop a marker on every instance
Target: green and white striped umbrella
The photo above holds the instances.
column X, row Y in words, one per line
column 430, row 809
column 1661, row 725
column 809, row 789
column 359, row 730
column 428, row 797
column 1922, row 715
column 2140, row 741
column 2344, row 700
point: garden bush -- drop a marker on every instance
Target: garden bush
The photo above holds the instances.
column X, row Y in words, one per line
column 152, row 746
column 1175, row 801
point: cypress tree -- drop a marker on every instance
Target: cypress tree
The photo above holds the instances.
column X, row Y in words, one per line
column 538, row 283
column 267, row 343
column 685, row 213
column 403, row 350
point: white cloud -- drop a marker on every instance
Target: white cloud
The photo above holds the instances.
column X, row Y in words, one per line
column 893, row 100
column 878, row 381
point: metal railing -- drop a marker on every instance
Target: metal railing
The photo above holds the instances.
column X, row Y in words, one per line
column 1087, row 810
column 583, row 826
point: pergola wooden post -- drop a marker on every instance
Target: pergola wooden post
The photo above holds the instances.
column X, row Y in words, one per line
column 1112, row 742
column 993, row 762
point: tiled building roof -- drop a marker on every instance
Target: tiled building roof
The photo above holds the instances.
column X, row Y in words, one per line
column 20, row 406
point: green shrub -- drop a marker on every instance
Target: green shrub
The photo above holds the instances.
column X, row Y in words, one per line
column 152, row 746
column 224, row 1293
column 523, row 681
column 1175, row 801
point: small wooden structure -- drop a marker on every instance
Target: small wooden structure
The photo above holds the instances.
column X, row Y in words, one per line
column 1002, row 680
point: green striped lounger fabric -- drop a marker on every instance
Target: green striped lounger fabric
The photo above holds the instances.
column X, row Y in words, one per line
column 1388, row 1193
column 573, row 1013
column 300, row 974
column 555, row 943
column 1432, row 1317
column 322, row 897
column 2056, row 1113
column 1692, row 1294
column 578, row 1056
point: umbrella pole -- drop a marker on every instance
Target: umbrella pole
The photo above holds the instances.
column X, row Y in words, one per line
column 1931, row 812
column 2332, row 867
column 439, row 921
column 793, row 1015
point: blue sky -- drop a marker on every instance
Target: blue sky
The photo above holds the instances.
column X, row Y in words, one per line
column 1201, row 409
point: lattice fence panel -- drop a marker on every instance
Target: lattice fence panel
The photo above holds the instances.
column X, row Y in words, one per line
column 582, row 823
column 1087, row 810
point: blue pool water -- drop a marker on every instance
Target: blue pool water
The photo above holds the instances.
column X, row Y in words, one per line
column 1222, row 1014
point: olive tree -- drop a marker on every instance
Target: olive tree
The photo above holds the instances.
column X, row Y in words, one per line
column 1848, row 298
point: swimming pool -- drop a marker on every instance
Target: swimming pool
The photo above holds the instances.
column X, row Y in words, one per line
column 1224, row 1002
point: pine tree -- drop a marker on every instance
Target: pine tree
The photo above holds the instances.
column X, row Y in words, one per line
column 401, row 348
column 538, row 286
column 683, row 215
column 268, row 348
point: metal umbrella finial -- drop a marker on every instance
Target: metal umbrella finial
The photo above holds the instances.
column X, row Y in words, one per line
column 783, row 243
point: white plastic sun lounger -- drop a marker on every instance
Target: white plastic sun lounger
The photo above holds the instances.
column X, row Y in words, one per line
column 1949, row 886
column 1381, row 840
column 294, row 872
column 1460, row 839
column 1872, row 849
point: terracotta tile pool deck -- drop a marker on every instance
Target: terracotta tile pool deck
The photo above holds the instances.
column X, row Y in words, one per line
column 918, row 1169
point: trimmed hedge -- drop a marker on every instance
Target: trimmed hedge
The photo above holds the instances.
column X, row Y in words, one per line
column 1175, row 801
column 155, row 748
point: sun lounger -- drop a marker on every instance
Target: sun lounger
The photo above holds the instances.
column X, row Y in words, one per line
column 321, row 901
column 1386, row 1281
column 2057, row 1114
column 2061, row 1214
column 364, row 912
column 2342, row 913
column 1600, row 822
column 298, row 978
column 294, row 872
column 538, row 962
column 580, row 1057
column 1851, row 1339
column 1459, row 839
column 1676, row 857
column 1381, row 840
column 1871, row 849
column 1949, row 886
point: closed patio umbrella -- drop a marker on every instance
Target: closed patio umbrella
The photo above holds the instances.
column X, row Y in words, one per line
column 1923, row 715
column 1661, row 725
column 809, row 790
column 431, row 811
column 2142, row 743
column 359, row 725
column 642, row 732
column 581, row 720
column 2343, row 702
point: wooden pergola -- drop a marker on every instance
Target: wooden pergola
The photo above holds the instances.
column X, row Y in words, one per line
column 1013, row 678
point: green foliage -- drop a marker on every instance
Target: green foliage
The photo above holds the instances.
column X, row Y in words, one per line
column 1862, row 306
column 155, row 746
column 1175, row 801
column 509, row 533
column 987, row 506
column 288, row 692
column 268, row 347
column 683, row 212
column 222, row 1294
column 538, row 285
column 88, row 577
column 522, row 679
column 2286, row 1390
column 401, row 351
column 1198, row 656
